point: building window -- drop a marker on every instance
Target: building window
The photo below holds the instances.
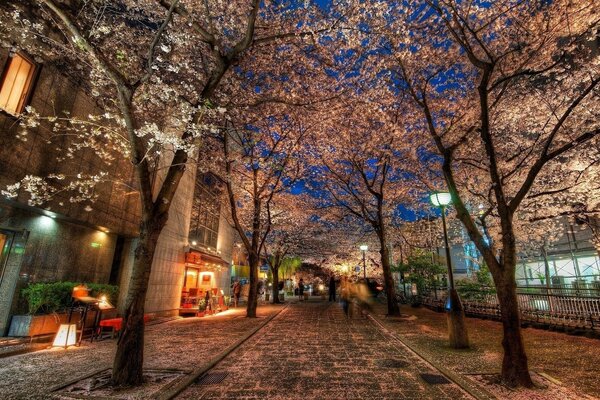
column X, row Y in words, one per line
column 204, row 224
column 17, row 80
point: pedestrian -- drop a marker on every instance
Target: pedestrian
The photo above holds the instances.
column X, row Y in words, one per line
column 332, row 288
column 208, row 302
column 237, row 290
column 345, row 294
column 301, row 289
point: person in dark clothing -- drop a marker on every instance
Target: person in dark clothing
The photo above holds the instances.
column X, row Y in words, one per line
column 207, row 301
column 332, row 288
column 301, row 289
column 237, row 291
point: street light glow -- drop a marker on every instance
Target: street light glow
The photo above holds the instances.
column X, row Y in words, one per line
column 440, row 199
column 364, row 247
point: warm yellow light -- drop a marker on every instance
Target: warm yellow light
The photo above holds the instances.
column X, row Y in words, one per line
column 66, row 336
column 17, row 81
column 321, row 287
column 191, row 272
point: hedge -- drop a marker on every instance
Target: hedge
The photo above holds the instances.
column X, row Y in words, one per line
column 46, row 298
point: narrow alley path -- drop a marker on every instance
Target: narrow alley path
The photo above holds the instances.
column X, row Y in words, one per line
column 311, row 351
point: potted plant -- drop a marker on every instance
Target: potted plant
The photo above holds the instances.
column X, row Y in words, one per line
column 201, row 308
column 47, row 306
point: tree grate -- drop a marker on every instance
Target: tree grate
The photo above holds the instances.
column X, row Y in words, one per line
column 391, row 363
column 434, row 379
column 211, row 378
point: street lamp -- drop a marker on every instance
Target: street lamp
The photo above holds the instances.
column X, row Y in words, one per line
column 457, row 329
column 364, row 248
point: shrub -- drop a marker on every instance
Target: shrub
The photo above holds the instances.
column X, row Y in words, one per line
column 46, row 298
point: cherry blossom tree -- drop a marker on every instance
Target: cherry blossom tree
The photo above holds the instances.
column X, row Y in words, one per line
column 259, row 166
column 360, row 175
column 291, row 226
column 508, row 93
column 162, row 69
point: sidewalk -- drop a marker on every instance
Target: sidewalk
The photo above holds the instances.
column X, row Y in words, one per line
column 178, row 344
column 569, row 364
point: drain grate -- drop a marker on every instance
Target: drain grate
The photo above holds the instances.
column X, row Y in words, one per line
column 433, row 379
column 212, row 378
column 391, row 363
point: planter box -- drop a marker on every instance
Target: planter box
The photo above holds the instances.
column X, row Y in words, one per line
column 47, row 324
column 33, row 325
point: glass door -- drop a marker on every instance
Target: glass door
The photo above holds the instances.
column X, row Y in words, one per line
column 6, row 239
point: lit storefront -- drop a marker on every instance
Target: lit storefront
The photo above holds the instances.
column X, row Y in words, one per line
column 204, row 273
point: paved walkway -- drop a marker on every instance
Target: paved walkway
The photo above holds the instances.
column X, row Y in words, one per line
column 311, row 351
column 183, row 344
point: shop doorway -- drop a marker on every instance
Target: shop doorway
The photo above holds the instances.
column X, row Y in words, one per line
column 12, row 247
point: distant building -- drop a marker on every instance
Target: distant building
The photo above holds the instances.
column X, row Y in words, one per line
column 572, row 261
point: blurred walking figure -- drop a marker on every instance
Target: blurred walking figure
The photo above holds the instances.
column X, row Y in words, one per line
column 332, row 288
column 345, row 294
column 362, row 297
column 237, row 291
column 301, row 289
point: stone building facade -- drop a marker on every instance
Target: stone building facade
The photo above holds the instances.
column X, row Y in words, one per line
column 74, row 241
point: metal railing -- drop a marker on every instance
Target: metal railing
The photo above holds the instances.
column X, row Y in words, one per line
column 557, row 306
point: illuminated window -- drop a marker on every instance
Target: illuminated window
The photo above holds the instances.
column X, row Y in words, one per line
column 16, row 83
column 204, row 222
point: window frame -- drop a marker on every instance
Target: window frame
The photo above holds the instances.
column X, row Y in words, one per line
column 32, row 81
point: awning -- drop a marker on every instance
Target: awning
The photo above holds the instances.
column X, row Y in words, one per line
column 199, row 258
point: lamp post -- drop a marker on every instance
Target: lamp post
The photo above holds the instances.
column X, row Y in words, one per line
column 457, row 329
column 364, row 248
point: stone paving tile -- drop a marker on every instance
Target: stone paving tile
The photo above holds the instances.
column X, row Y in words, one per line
column 183, row 344
column 311, row 351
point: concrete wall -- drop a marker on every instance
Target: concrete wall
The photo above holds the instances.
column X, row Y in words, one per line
column 166, row 277
column 117, row 207
column 225, row 242
column 70, row 246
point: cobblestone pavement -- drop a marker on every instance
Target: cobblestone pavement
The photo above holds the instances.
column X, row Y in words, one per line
column 311, row 351
column 183, row 344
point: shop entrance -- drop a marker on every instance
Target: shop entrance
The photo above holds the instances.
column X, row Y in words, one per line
column 12, row 247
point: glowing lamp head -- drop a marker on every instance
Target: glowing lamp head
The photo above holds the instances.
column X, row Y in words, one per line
column 440, row 199
column 364, row 247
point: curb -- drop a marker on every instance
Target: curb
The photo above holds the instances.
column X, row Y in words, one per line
column 170, row 392
column 477, row 392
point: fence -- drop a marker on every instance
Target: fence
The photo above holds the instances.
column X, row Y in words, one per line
column 557, row 306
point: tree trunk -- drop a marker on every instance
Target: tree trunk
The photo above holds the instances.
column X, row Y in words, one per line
column 515, row 371
column 129, row 358
column 390, row 290
column 253, row 290
column 275, row 271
